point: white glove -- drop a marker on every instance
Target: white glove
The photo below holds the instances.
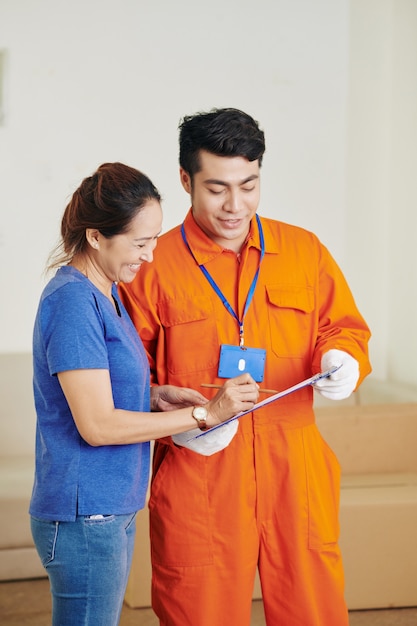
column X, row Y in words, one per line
column 211, row 443
column 340, row 384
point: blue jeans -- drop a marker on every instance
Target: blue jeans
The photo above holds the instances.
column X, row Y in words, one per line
column 88, row 563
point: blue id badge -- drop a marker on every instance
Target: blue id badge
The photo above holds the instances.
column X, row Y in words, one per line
column 235, row 360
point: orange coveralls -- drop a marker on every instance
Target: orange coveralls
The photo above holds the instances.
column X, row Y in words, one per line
column 270, row 499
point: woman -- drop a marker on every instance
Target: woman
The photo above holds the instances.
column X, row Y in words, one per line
column 93, row 398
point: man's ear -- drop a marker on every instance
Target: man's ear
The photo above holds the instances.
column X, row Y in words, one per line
column 185, row 179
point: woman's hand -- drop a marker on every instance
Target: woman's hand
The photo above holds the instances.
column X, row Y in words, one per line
column 237, row 394
column 170, row 397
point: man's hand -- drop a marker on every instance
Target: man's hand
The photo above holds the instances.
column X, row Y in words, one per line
column 339, row 385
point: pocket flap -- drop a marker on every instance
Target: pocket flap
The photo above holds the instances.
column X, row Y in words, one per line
column 298, row 297
column 185, row 310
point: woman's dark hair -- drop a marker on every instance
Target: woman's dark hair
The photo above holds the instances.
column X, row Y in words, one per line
column 107, row 201
column 224, row 132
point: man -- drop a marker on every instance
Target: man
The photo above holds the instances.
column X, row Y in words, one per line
column 227, row 290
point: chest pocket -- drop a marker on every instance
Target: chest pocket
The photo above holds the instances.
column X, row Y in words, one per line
column 291, row 319
column 191, row 337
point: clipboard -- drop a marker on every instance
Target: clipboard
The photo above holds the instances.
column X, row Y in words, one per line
column 276, row 396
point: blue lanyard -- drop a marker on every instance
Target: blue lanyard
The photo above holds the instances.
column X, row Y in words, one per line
column 217, row 288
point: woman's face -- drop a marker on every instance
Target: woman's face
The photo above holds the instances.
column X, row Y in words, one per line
column 121, row 256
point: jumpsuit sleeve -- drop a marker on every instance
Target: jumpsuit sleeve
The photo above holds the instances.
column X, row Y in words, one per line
column 340, row 324
column 141, row 305
column 143, row 314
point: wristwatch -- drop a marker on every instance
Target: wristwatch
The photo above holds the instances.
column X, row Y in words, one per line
column 200, row 414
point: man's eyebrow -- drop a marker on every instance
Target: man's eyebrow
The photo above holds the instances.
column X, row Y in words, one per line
column 215, row 181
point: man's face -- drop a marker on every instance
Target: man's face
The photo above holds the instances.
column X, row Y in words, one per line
column 225, row 196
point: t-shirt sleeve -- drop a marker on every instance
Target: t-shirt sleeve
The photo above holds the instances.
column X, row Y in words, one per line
column 73, row 330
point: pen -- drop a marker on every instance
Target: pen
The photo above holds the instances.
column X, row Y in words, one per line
column 220, row 386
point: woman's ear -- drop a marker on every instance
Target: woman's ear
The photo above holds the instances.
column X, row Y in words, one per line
column 92, row 236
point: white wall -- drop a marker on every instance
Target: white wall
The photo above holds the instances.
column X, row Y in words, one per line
column 90, row 81
column 369, row 167
column 381, row 179
column 402, row 348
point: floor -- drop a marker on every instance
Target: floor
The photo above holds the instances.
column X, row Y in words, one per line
column 27, row 603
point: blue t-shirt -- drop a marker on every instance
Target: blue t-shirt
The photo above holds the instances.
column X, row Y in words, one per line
column 77, row 327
